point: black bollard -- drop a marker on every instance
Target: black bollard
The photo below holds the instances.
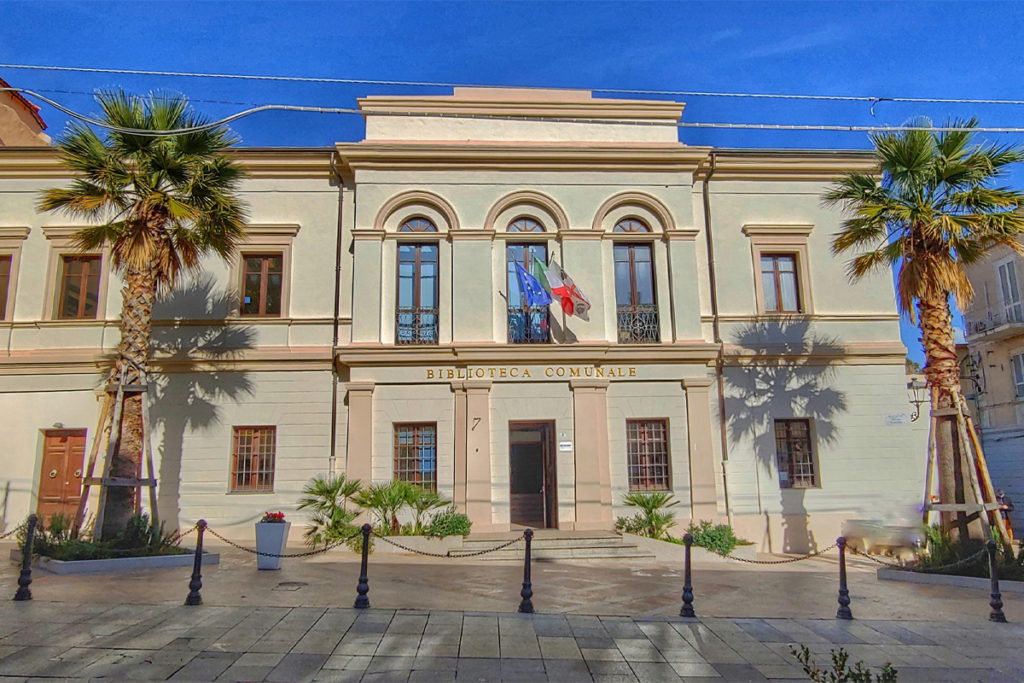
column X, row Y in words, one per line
column 996, row 603
column 526, row 604
column 687, row 608
column 194, row 586
column 25, row 578
column 844, row 594
column 362, row 602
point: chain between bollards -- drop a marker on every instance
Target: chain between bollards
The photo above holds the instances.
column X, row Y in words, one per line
column 526, row 604
column 25, row 578
column 196, row 584
column 996, row 603
column 362, row 602
column 844, row 594
column 687, row 608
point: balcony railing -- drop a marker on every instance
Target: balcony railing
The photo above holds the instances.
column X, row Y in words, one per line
column 415, row 326
column 994, row 323
column 528, row 325
column 638, row 324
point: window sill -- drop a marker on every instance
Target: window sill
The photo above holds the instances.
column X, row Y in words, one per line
column 249, row 493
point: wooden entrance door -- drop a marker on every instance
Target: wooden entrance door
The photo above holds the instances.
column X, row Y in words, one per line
column 60, row 477
column 532, row 484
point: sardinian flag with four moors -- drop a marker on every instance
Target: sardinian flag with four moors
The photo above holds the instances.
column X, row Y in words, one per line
column 556, row 281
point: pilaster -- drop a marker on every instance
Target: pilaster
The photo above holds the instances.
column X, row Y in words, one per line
column 703, row 494
column 593, row 476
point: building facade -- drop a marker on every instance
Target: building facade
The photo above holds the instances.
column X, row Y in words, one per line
column 993, row 367
column 375, row 324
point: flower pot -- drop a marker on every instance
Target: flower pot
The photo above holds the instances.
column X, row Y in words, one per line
column 271, row 537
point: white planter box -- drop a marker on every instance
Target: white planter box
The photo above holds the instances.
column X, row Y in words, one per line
column 118, row 564
column 271, row 537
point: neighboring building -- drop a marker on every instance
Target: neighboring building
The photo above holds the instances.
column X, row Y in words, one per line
column 725, row 357
column 994, row 327
column 20, row 122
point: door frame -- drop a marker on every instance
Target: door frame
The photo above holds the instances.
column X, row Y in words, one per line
column 549, row 466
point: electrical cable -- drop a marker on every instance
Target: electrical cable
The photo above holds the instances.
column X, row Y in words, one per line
column 498, row 117
column 438, row 84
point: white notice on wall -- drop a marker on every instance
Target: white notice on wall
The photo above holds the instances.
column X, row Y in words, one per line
column 897, row 419
column 565, row 445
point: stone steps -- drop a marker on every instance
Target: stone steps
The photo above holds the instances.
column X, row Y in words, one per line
column 550, row 545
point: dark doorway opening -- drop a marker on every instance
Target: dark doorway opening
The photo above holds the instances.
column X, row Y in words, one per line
column 533, row 484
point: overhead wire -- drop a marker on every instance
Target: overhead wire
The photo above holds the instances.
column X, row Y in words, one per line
column 442, row 84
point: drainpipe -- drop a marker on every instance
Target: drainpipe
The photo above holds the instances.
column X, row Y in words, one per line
column 717, row 333
column 332, row 458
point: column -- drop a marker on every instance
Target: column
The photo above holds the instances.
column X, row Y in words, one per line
column 699, row 430
column 359, row 455
column 366, row 285
column 686, row 285
column 478, row 453
column 471, row 286
column 461, row 429
column 593, row 477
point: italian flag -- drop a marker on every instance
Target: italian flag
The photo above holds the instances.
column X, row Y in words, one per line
column 558, row 283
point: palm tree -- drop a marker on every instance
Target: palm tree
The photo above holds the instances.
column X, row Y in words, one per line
column 934, row 210
column 160, row 203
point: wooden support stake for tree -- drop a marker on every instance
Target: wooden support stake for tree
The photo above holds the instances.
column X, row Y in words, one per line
column 995, row 517
column 925, row 510
column 154, row 515
column 102, row 430
column 112, row 442
column 972, row 468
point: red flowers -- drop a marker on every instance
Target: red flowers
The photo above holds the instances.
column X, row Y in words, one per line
column 273, row 517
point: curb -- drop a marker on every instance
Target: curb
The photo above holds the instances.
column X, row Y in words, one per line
column 948, row 580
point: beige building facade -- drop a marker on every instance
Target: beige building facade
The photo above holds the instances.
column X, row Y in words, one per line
column 375, row 324
column 993, row 367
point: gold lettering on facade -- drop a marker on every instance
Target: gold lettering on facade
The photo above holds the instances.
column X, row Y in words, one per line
column 516, row 372
column 548, row 372
column 526, row 372
column 574, row 372
column 513, row 372
column 502, row 371
column 632, row 372
column 430, row 374
column 599, row 372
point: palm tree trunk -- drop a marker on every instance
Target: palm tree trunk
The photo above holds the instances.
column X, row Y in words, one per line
column 943, row 373
column 133, row 356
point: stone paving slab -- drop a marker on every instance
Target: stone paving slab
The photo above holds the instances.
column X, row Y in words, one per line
column 162, row 642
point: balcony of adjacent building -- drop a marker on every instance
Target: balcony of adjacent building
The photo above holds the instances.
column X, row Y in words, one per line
column 987, row 324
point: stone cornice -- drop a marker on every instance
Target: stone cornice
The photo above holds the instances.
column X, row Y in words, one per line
column 800, row 164
column 17, row 233
column 378, row 354
column 776, row 230
column 518, row 157
column 549, row 103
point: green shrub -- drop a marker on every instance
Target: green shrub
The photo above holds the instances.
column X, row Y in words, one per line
column 653, row 520
column 385, row 501
column 940, row 551
column 718, row 538
column 841, row 671
column 422, row 501
column 448, row 522
column 328, row 498
column 630, row 525
column 140, row 538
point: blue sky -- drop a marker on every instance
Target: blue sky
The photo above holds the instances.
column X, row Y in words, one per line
column 907, row 49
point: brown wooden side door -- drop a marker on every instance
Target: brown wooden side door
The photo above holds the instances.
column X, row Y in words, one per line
column 60, row 477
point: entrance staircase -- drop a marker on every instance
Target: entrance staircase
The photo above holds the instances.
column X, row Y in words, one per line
column 553, row 544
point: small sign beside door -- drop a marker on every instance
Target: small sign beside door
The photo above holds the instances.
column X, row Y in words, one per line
column 565, row 446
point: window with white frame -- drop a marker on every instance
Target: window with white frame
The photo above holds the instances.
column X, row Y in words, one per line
column 1010, row 291
column 1017, row 362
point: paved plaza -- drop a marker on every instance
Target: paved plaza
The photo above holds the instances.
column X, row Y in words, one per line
column 443, row 620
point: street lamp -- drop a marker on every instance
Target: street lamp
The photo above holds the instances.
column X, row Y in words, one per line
column 920, row 389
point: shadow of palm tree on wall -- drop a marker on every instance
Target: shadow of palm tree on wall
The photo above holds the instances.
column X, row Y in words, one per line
column 785, row 372
column 190, row 382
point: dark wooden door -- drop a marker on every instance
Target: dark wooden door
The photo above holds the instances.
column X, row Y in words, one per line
column 532, row 489
column 60, row 477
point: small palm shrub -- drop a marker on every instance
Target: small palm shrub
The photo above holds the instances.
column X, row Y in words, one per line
column 448, row 522
column 841, row 672
column 385, row 501
column 422, row 501
column 327, row 497
column 653, row 519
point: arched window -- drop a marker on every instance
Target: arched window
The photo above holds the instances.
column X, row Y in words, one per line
column 417, row 225
column 631, row 225
column 525, row 225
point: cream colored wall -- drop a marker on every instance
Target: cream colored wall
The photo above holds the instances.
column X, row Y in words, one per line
column 649, row 400
column 17, row 126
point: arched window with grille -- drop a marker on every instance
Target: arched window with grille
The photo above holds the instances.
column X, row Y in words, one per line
column 525, row 225
column 631, row 225
column 418, row 224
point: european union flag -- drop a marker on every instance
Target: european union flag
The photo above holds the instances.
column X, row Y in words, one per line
column 535, row 294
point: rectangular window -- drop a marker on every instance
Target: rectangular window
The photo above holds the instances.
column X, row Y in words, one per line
column 261, row 284
column 416, row 310
column 1018, row 374
column 526, row 324
column 1011, row 292
column 779, row 283
column 637, row 310
column 5, row 282
column 252, row 461
column 416, row 454
column 79, row 287
column 647, row 452
column 796, row 458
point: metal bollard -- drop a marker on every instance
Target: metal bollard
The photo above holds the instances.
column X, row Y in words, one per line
column 25, row 578
column 687, row 608
column 194, row 586
column 362, row 602
column 996, row 603
column 526, row 604
column 844, row 594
